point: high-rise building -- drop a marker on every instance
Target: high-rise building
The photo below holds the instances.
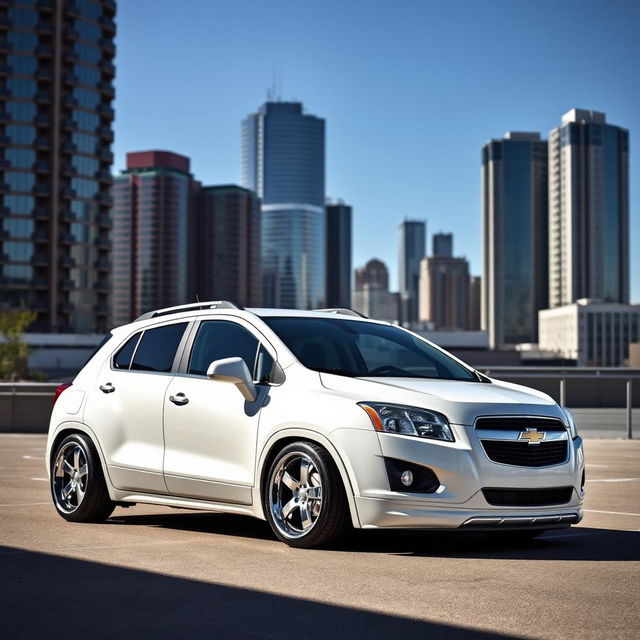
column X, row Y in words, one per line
column 411, row 250
column 56, row 59
column 588, row 209
column 338, row 258
column 228, row 245
column 442, row 245
column 515, row 210
column 153, row 234
column 475, row 303
column 371, row 295
column 283, row 161
column 444, row 286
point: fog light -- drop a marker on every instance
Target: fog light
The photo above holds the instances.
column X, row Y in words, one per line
column 406, row 478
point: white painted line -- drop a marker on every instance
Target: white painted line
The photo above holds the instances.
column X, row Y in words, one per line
column 24, row 504
column 40, row 479
column 613, row 513
column 31, row 458
column 616, row 480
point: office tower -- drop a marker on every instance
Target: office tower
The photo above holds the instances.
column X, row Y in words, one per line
column 283, row 159
column 515, row 210
column 588, row 209
column 338, row 256
column 475, row 303
column 56, row 63
column 228, row 245
column 444, row 286
column 442, row 245
column 411, row 250
column 371, row 295
column 153, row 234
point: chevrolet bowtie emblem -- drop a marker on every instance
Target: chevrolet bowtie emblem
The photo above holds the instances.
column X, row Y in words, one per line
column 533, row 436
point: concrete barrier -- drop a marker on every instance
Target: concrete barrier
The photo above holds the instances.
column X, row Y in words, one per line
column 25, row 407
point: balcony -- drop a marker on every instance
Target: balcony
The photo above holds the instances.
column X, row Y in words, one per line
column 103, row 220
column 66, row 262
column 106, row 111
column 42, row 120
column 68, row 147
column 106, row 133
column 104, row 176
column 107, row 67
column 107, row 46
column 108, row 24
column 103, row 243
column 41, row 191
column 68, row 124
column 41, row 166
column 107, row 89
column 102, row 264
column 69, row 78
column 66, row 284
column 66, row 169
column 40, row 283
column 68, row 193
column 40, row 259
column 69, row 102
column 65, row 307
column 104, row 198
column 5, row 46
column 44, row 75
column 44, row 5
column 40, row 237
column 70, row 34
column 42, row 143
column 41, row 213
column 67, row 216
column 44, row 27
column 66, row 238
column 102, row 285
column 106, row 156
column 44, row 50
column 4, row 116
column 5, row 70
column 42, row 97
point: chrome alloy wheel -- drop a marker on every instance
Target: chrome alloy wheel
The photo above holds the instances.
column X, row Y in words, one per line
column 295, row 495
column 70, row 475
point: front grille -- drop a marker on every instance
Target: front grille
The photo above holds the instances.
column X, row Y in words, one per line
column 527, row 497
column 516, row 423
column 523, row 454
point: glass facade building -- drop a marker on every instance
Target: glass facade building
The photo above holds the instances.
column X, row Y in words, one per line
column 154, row 234
column 412, row 248
column 515, row 210
column 283, row 161
column 338, row 258
column 588, row 209
column 56, row 64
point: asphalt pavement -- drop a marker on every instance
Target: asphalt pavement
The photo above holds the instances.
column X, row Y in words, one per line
column 154, row 572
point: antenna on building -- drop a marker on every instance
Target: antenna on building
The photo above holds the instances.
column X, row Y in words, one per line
column 274, row 93
column 197, row 298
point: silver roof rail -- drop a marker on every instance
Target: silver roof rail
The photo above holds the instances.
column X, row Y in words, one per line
column 196, row 306
column 344, row 312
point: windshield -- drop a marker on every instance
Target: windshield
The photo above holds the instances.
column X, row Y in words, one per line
column 364, row 349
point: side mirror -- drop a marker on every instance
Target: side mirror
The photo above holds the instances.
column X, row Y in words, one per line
column 233, row 370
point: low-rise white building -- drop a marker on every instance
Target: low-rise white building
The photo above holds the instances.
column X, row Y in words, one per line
column 591, row 332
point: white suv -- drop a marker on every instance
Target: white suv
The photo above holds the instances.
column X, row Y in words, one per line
column 312, row 420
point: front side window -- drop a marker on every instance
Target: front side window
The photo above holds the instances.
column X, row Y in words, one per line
column 218, row 339
column 365, row 349
column 157, row 348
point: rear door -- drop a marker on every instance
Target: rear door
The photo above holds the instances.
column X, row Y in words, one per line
column 210, row 430
column 126, row 406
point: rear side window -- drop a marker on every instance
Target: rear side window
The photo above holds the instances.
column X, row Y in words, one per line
column 220, row 339
column 122, row 359
column 102, row 343
column 157, row 348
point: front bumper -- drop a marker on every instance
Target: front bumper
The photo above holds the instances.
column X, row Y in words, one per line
column 463, row 469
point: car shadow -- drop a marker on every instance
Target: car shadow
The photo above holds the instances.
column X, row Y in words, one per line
column 49, row 596
column 577, row 543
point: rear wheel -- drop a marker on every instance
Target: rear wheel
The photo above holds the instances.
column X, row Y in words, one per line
column 304, row 499
column 78, row 487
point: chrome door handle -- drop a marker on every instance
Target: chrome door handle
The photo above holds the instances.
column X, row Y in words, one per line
column 179, row 399
column 107, row 388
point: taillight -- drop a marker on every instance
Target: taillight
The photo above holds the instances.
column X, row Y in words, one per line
column 59, row 390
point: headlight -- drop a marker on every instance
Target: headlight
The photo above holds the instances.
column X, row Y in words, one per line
column 573, row 429
column 408, row 421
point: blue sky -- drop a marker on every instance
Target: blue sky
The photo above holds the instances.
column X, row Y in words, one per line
column 410, row 90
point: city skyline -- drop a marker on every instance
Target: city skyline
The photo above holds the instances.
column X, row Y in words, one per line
column 396, row 148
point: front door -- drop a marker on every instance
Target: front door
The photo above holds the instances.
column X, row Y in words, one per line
column 210, row 430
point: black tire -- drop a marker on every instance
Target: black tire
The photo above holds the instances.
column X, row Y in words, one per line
column 88, row 498
column 330, row 514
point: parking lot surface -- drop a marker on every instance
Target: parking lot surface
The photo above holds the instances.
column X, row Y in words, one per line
column 159, row 573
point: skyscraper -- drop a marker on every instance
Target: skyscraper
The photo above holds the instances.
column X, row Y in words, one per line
column 475, row 304
column 411, row 250
column 228, row 245
column 442, row 245
column 515, row 210
column 338, row 258
column 283, row 161
column 588, row 209
column 55, row 136
column 371, row 295
column 153, row 234
column 444, row 286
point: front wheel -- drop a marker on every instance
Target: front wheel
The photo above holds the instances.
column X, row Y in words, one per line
column 78, row 487
column 304, row 498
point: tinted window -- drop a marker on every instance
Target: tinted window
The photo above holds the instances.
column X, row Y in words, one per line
column 158, row 347
column 219, row 339
column 102, row 343
column 122, row 359
column 365, row 349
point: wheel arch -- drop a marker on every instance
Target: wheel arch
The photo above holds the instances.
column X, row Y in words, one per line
column 280, row 440
column 65, row 429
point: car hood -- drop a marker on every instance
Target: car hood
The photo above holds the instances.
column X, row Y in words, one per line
column 462, row 402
